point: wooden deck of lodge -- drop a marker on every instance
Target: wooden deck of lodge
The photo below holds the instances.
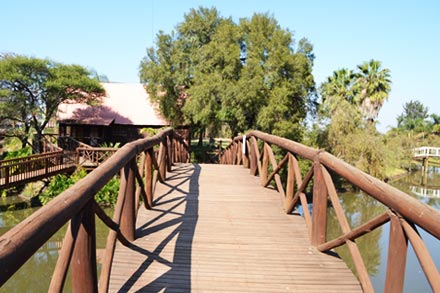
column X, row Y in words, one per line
column 214, row 228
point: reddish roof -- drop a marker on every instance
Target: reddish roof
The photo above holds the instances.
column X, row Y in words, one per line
column 123, row 103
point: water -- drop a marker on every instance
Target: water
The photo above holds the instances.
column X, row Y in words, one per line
column 359, row 208
column 36, row 273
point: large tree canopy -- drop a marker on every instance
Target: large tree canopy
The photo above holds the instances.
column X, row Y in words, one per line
column 31, row 90
column 247, row 75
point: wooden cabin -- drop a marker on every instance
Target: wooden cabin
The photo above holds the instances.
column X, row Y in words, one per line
column 125, row 109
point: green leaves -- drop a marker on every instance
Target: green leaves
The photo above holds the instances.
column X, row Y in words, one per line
column 212, row 71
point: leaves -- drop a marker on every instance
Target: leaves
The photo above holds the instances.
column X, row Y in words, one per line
column 212, row 71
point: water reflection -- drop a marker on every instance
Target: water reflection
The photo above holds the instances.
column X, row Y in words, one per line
column 36, row 273
column 359, row 208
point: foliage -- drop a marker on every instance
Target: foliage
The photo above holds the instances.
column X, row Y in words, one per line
column 373, row 86
column 59, row 183
column 367, row 89
column 31, row 90
column 108, row 195
column 212, row 71
column 148, row 131
column 20, row 153
column 413, row 117
column 351, row 100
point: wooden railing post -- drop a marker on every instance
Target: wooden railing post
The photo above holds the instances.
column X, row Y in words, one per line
column 169, row 145
column 149, row 176
column 246, row 162
column 162, row 159
column 397, row 251
column 7, row 173
column 46, row 165
column 319, row 217
column 84, row 274
column 253, row 159
column 290, row 186
column 128, row 218
column 265, row 165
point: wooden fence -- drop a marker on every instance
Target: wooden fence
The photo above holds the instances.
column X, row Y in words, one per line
column 139, row 171
column 23, row 170
column 91, row 157
column 405, row 213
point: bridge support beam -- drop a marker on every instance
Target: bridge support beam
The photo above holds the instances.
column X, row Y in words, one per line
column 425, row 163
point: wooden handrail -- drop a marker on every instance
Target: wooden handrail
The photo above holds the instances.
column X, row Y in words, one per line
column 23, row 170
column 400, row 204
column 21, row 242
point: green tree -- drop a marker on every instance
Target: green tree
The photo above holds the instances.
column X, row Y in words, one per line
column 212, row 71
column 435, row 123
column 276, row 84
column 338, row 89
column 413, row 117
column 349, row 100
column 31, row 90
column 373, row 84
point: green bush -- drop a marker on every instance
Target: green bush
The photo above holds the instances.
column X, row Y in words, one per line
column 20, row 153
column 106, row 196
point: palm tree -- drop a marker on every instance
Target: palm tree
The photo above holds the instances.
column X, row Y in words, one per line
column 337, row 89
column 373, row 85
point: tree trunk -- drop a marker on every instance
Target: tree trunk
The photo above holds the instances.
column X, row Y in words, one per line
column 200, row 143
column 37, row 143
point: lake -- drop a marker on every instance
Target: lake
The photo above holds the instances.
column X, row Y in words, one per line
column 35, row 275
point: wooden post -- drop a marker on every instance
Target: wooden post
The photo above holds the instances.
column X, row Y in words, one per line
column 169, row 145
column 163, row 158
column 46, row 165
column 425, row 165
column 246, row 162
column 253, row 160
column 319, row 217
column 84, row 274
column 149, row 176
column 7, row 172
column 290, row 180
column 397, row 251
column 128, row 218
column 263, row 175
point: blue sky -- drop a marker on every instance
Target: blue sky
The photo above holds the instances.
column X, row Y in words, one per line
column 112, row 36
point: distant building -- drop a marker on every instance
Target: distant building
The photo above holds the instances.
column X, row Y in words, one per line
column 125, row 109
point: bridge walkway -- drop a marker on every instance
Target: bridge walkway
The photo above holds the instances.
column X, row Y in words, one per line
column 214, row 228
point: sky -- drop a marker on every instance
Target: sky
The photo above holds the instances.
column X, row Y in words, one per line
column 111, row 37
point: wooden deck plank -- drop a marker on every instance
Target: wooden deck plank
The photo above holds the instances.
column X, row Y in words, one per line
column 215, row 229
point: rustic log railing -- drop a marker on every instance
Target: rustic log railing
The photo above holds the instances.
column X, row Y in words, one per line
column 77, row 204
column 93, row 157
column 404, row 213
column 23, row 170
column 70, row 144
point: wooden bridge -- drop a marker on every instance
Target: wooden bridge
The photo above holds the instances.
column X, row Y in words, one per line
column 426, row 152
column 217, row 227
column 20, row 171
column 55, row 160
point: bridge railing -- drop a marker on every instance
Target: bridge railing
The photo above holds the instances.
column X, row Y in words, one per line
column 23, row 170
column 93, row 157
column 423, row 152
column 404, row 213
column 139, row 169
